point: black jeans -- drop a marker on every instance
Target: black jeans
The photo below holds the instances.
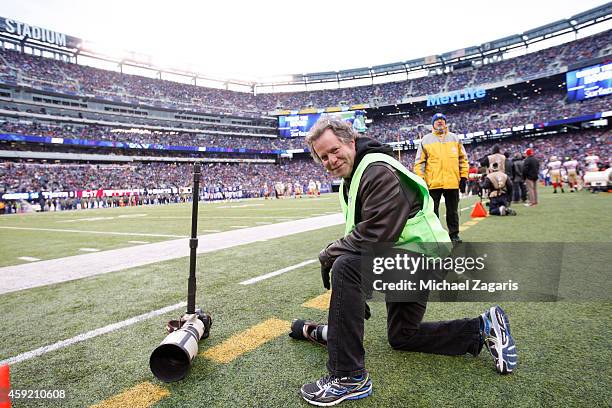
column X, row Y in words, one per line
column 517, row 191
column 405, row 330
column 451, row 199
column 495, row 203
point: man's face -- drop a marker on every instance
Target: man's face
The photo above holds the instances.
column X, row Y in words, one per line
column 439, row 125
column 337, row 157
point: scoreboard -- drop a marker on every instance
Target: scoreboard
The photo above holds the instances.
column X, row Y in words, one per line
column 299, row 125
column 589, row 82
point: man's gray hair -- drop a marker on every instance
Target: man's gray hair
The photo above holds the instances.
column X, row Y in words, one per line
column 341, row 128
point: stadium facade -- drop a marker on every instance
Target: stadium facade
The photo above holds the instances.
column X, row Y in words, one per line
column 70, row 128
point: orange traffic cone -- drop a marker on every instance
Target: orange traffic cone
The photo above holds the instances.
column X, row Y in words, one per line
column 478, row 211
column 5, row 386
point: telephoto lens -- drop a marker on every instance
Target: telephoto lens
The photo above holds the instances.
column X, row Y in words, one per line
column 171, row 360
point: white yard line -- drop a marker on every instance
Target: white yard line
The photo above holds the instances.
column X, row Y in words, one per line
column 28, row 258
column 90, row 334
column 136, row 234
column 276, row 273
column 47, row 272
column 128, row 322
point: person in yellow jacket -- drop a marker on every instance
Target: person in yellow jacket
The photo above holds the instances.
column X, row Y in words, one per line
column 442, row 162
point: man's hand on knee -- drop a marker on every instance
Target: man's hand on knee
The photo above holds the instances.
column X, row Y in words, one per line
column 326, row 266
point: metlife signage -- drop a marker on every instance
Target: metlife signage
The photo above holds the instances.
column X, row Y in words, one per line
column 24, row 30
column 456, row 96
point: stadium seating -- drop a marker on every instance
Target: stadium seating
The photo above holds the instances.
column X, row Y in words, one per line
column 18, row 69
column 87, row 81
column 33, row 177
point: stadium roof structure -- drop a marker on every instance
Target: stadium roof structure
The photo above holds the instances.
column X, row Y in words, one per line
column 69, row 47
column 575, row 23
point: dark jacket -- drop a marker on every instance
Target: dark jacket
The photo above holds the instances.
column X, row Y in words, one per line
column 509, row 168
column 531, row 168
column 517, row 166
column 383, row 204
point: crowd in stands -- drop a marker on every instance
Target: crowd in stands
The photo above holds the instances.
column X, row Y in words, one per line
column 34, row 177
column 113, row 154
column 16, row 67
column 535, row 108
column 104, row 133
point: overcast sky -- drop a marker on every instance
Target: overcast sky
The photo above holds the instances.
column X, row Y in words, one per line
column 265, row 38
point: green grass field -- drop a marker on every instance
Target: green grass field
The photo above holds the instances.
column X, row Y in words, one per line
column 565, row 347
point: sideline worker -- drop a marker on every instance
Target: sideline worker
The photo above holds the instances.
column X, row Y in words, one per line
column 383, row 202
column 498, row 184
column 442, row 162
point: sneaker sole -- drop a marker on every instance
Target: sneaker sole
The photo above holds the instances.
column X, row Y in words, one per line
column 502, row 365
column 358, row 395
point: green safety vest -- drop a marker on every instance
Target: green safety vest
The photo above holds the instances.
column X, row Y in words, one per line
column 422, row 233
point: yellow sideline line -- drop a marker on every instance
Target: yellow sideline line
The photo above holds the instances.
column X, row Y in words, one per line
column 247, row 340
column 321, row 302
column 466, row 225
column 142, row 395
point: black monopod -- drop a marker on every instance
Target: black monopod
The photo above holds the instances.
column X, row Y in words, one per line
column 171, row 360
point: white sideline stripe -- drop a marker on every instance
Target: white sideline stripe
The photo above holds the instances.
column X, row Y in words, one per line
column 86, row 219
column 28, row 258
column 276, row 273
column 138, row 242
column 239, row 226
column 89, row 249
column 205, row 217
column 263, row 222
column 48, row 272
column 240, row 206
column 137, row 234
column 210, row 230
column 466, row 208
column 90, row 334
